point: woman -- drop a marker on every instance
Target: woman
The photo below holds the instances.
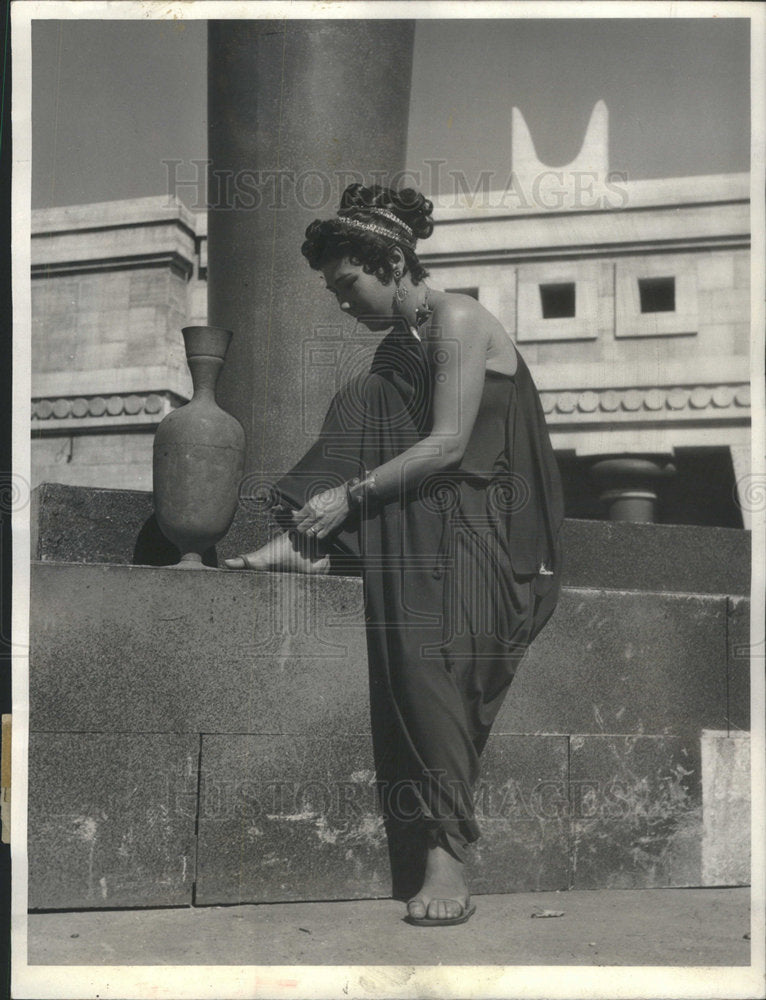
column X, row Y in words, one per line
column 448, row 493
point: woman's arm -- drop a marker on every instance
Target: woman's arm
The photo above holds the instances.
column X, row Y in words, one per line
column 457, row 342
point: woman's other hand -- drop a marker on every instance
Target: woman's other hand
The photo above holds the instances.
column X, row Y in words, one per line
column 324, row 513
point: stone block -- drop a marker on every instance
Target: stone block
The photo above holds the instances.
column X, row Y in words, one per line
column 102, row 355
column 298, row 818
column 135, row 648
column 73, row 524
column 730, row 304
column 623, row 662
column 636, row 811
column 148, row 288
column 58, row 351
column 521, row 808
column 177, row 296
column 107, row 825
column 55, row 295
column 92, row 325
column 145, row 322
column 725, row 808
column 284, row 817
column 676, row 558
column 742, row 270
column 715, row 269
column 717, row 338
column 105, row 291
column 100, row 449
column 738, row 661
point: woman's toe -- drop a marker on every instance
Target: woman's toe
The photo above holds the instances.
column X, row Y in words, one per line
column 416, row 908
column 444, row 909
column 237, row 562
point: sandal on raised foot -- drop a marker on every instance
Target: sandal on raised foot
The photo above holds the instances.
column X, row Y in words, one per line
column 247, row 563
column 467, row 912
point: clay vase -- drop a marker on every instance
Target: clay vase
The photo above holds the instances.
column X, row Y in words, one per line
column 199, row 452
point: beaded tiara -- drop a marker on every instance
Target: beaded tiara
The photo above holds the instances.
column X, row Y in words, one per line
column 371, row 227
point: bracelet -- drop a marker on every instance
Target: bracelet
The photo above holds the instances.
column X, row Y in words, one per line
column 358, row 490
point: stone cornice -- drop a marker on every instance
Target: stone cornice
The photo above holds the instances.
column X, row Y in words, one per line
column 582, row 251
column 642, row 195
column 588, row 234
column 176, row 262
column 153, row 210
column 71, row 383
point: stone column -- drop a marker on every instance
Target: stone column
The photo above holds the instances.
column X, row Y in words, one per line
column 629, row 485
column 296, row 111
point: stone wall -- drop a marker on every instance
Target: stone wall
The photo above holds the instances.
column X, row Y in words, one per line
column 112, row 286
column 205, row 737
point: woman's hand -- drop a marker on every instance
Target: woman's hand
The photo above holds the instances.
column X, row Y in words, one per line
column 323, row 514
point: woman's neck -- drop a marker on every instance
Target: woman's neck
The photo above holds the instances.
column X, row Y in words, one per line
column 415, row 310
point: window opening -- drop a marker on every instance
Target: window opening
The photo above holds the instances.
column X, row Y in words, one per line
column 657, row 294
column 558, row 300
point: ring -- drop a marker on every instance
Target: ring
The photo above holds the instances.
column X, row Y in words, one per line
column 314, row 529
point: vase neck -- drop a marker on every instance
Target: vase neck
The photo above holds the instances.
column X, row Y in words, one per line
column 205, row 370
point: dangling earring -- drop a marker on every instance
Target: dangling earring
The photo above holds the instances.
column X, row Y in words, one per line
column 401, row 293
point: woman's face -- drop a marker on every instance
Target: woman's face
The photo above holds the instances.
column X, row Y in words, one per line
column 360, row 295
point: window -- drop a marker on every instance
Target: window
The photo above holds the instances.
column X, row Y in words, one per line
column 558, row 300
column 657, row 294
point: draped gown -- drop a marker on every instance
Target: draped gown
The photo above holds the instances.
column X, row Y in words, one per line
column 460, row 573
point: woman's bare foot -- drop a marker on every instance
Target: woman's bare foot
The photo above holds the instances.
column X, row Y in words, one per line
column 289, row 552
column 444, row 894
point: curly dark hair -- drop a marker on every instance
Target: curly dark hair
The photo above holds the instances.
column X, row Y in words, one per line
column 333, row 239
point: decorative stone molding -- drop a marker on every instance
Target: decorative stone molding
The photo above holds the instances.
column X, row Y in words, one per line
column 67, row 414
column 671, row 403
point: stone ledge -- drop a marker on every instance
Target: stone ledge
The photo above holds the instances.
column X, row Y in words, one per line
column 90, row 525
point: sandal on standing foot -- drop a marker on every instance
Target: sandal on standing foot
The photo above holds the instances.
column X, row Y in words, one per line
column 468, row 909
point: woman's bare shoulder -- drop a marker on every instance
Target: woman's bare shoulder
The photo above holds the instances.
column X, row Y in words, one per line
column 451, row 308
column 465, row 317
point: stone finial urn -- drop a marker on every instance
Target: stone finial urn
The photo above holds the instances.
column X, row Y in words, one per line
column 199, row 453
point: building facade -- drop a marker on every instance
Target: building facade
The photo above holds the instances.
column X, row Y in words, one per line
column 630, row 301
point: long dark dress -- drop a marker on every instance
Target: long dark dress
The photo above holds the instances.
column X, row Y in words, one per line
column 460, row 573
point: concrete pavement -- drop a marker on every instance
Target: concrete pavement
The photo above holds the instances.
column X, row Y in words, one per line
column 673, row 927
